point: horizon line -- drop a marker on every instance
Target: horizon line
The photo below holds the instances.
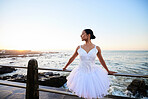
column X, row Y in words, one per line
column 72, row 49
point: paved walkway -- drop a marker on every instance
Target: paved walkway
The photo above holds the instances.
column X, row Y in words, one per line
column 7, row 92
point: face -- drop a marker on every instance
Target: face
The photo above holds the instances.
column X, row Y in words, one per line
column 84, row 36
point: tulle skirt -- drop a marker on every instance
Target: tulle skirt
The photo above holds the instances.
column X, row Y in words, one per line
column 94, row 84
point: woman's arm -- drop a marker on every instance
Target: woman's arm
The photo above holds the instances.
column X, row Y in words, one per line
column 72, row 58
column 99, row 55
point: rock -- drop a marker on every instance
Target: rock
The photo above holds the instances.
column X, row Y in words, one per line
column 46, row 75
column 50, row 79
column 11, row 62
column 6, row 77
column 4, row 69
column 18, row 78
column 49, row 73
column 14, row 76
column 14, row 58
column 45, row 78
column 138, row 87
column 54, row 81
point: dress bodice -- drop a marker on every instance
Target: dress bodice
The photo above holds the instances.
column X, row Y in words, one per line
column 90, row 56
column 87, row 60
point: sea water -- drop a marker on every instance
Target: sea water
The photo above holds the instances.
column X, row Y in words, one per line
column 129, row 62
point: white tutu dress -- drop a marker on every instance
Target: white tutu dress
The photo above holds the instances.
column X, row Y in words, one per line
column 88, row 80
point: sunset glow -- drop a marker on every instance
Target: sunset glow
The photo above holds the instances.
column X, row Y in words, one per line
column 56, row 25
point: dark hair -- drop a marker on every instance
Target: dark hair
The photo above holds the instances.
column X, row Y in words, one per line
column 89, row 31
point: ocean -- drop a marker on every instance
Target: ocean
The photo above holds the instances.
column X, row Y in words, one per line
column 129, row 62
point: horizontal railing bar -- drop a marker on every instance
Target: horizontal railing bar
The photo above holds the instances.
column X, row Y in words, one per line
column 38, row 68
column 130, row 75
column 13, row 85
column 54, row 69
column 115, row 74
column 57, row 91
column 14, row 66
column 40, row 89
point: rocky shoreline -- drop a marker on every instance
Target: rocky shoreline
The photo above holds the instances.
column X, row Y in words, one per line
column 4, row 69
column 45, row 78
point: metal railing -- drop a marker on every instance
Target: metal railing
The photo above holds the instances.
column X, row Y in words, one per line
column 67, row 70
column 32, row 85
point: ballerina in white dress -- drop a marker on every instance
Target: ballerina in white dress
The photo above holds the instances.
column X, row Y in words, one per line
column 88, row 80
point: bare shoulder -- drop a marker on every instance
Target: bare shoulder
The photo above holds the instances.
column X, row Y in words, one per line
column 77, row 47
column 98, row 48
column 76, row 51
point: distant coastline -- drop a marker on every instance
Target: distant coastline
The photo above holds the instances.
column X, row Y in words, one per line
column 21, row 53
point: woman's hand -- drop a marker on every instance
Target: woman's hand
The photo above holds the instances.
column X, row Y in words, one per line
column 111, row 72
column 64, row 69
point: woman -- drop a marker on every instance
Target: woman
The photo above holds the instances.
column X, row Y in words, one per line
column 88, row 80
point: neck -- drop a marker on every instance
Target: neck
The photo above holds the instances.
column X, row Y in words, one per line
column 87, row 42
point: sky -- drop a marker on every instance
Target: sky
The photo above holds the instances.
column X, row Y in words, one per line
column 58, row 24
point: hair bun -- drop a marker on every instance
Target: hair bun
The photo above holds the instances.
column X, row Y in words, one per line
column 92, row 37
column 89, row 31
